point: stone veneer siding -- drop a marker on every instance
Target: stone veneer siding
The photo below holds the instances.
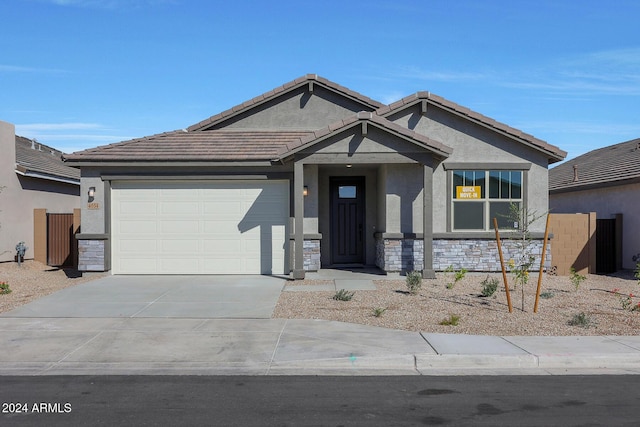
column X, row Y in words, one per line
column 91, row 255
column 481, row 254
column 401, row 255
column 311, row 253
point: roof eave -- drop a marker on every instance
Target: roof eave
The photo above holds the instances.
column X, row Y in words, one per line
column 594, row 185
column 80, row 163
column 21, row 170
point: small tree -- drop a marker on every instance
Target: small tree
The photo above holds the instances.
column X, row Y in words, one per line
column 525, row 258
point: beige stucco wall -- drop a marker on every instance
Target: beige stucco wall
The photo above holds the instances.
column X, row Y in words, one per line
column 606, row 203
column 21, row 195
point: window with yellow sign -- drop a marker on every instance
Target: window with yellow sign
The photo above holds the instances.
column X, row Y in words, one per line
column 468, row 192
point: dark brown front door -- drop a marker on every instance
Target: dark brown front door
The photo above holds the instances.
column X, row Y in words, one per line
column 347, row 220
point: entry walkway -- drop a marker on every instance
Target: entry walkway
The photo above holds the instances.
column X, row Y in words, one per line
column 331, row 279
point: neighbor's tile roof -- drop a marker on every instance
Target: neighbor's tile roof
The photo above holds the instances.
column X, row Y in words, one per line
column 605, row 166
column 556, row 153
column 34, row 157
column 314, row 78
column 218, row 145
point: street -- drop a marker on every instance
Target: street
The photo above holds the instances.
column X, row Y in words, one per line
column 318, row 401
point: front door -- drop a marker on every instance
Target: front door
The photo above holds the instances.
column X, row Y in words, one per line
column 347, row 220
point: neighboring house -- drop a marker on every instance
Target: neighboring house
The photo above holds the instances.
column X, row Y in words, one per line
column 34, row 177
column 310, row 175
column 605, row 181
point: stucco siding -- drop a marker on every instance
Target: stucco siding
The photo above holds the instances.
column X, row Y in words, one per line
column 403, row 207
column 21, row 195
column 606, row 203
column 299, row 110
column 474, row 144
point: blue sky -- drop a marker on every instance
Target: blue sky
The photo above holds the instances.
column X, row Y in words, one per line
column 77, row 74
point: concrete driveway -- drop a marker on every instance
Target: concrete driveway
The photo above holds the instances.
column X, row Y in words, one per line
column 210, row 297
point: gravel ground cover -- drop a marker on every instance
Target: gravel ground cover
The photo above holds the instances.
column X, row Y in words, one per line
column 600, row 298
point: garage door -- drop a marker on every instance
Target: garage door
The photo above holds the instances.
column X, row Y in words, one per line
column 209, row 227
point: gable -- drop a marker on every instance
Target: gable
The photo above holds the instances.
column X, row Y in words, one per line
column 366, row 134
column 457, row 126
column 471, row 142
column 307, row 103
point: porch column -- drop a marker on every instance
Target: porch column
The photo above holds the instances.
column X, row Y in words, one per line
column 427, row 222
column 298, row 223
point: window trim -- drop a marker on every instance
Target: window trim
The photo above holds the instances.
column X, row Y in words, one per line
column 486, row 167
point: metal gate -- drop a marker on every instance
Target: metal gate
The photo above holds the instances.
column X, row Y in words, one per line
column 605, row 246
column 61, row 245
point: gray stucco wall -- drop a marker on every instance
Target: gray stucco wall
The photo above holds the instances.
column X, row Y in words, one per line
column 403, row 198
column 94, row 220
column 22, row 195
column 606, row 203
column 298, row 110
column 473, row 144
column 311, row 200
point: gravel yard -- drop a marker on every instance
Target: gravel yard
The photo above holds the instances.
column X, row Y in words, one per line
column 420, row 312
column 480, row 315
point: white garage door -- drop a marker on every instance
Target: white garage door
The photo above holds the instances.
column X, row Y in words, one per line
column 194, row 227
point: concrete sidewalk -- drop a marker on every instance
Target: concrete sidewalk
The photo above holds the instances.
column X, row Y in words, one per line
column 158, row 346
column 209, row 325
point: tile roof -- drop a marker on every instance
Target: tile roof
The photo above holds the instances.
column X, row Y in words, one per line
column 33, row 157
column 555, row 153
column 314, row 78
column 218, row 145
column 615, row 164
column 198, row 144
column 313, row 137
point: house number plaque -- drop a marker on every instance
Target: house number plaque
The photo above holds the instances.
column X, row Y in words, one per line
column 93, row 205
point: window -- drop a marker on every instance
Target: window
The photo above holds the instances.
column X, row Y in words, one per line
column 347, row 191
column 480, row 196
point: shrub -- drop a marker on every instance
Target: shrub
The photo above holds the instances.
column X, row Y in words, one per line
column 4, row 288
column 457, row 276
column 581, row 319
column 489, row 286
column 547, row 295
column 414, row 282
column 379, row 311
column 452, row 320
column 343, row 295
column 576, row 278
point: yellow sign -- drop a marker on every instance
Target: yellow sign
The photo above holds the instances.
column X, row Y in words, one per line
column 468, row 192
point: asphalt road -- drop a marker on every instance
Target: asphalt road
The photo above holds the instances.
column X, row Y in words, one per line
column 320, row 401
